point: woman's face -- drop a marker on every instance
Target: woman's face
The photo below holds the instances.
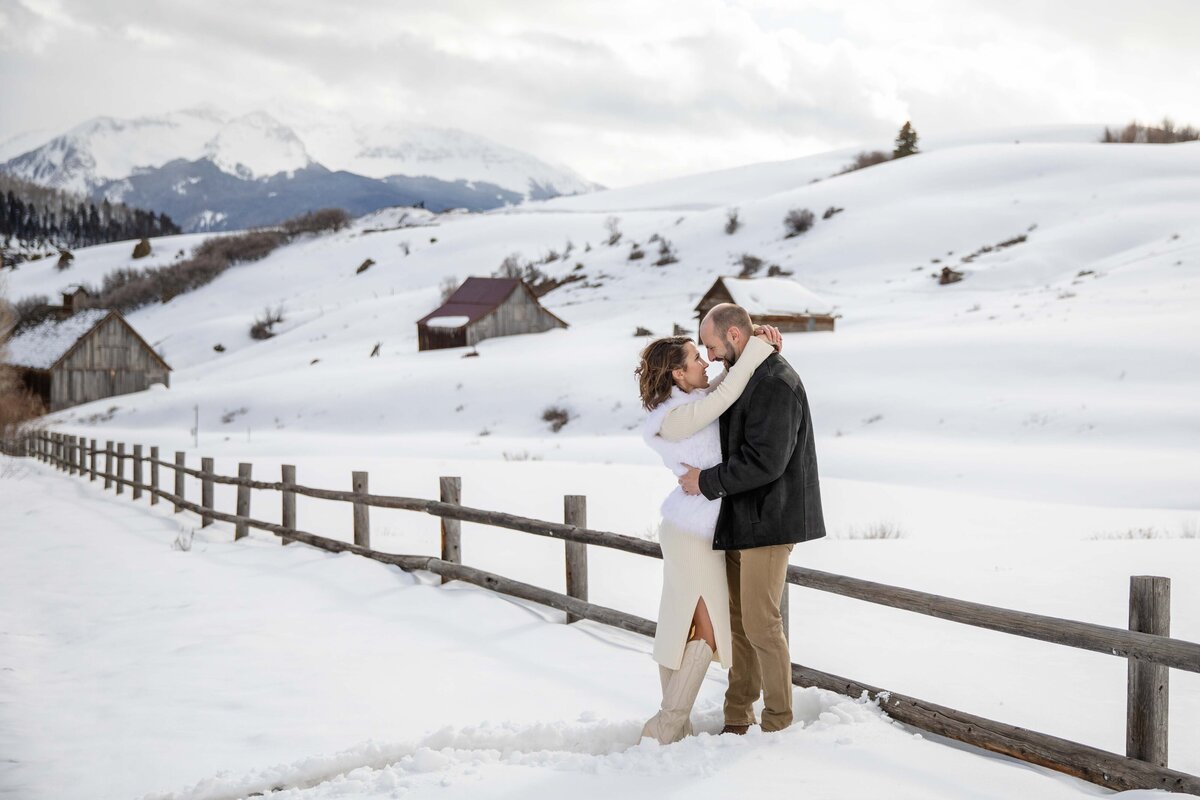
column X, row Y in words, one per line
column 692, row 375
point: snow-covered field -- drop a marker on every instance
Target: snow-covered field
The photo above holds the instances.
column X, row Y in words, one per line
column 1031, row 432
column 133, row 668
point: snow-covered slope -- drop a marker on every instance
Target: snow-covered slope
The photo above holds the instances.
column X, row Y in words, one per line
column 1075, row 339
column 232, row 669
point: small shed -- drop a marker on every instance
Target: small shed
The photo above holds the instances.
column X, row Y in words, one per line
column 771, row 301
column 87, row 356
column 483, row 308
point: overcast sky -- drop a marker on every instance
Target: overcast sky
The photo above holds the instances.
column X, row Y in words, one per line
column 623, row 91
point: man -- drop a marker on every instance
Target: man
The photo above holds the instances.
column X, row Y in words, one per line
column 770, row 501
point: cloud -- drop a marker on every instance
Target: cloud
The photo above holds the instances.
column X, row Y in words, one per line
column 623, row 91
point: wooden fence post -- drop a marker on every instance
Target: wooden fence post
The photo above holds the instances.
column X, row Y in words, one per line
column 71, row 459
column 206, row 490
column 785, row 612
column 575, row 513
column 92, row 462
column 154, row 475
column 108, row 464
column 362, row 512
column 241, row 530
column 137, row 472
column 1146, row 717
column 451, row 492
column 59, row 444
column 120, row 467
column 288, row 516
column 180, row 462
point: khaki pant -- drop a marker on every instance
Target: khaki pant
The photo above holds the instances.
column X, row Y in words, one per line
column 761, row 660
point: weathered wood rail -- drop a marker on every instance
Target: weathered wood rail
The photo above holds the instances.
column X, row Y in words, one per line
column 1146, row 644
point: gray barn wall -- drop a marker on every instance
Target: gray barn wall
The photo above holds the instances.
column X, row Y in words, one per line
column 109, row 361
column 519, row 313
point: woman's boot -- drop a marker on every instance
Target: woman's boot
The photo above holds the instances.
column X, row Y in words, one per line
column 673, row 720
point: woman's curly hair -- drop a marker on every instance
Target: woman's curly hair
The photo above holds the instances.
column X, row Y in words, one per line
column 659, row 358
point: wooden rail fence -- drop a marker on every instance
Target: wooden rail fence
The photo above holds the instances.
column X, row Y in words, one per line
column 1146, row 644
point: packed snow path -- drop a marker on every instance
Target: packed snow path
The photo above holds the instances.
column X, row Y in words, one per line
column 133, row 668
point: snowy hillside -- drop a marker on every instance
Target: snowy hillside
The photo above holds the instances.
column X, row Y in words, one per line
column 1030, row 433
column 1076, row 339
column 320, row 676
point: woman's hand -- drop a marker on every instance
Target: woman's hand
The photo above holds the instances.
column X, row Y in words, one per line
column 771, row 335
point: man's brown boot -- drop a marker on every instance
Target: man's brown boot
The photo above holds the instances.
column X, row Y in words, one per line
column 740, row 730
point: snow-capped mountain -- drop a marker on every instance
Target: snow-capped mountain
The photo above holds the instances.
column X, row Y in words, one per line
column 201, row 166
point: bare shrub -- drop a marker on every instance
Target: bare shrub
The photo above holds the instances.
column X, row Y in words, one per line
column 325, row 219
column 557, row 417
column 243, row 247
column 29, row 311
column 447, row 287
column 829, row 212
column 866, row 159
column 636, row 253
column 798, row 221
column 18, row 406
column 183, row 541
column 750, row 265
column 1165, row 133
column 640, row 331
column 511, row 267
column 65, row 258
column 613, row 226
column 264, row 324
column 776, row 271
column 363, row 267
column 732, row 222
column 883, row 530
column 141, row 249
column 666, row 254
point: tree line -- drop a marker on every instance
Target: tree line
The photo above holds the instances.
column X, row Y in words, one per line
column 42, row 216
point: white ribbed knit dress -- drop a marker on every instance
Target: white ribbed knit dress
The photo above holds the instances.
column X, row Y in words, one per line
column 691, row 568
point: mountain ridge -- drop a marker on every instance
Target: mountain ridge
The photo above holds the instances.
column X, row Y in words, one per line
column 255, row 158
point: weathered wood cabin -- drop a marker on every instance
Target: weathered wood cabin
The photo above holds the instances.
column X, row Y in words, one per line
column 483, row 308
column 771, row 301
column 86, row 356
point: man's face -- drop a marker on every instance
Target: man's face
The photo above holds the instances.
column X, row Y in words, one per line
column 720, row 348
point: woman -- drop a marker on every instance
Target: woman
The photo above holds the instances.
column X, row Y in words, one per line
column 693, row 616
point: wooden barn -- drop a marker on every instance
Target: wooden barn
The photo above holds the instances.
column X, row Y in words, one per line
column 771, row 301
column 87, row 356
column 483, row 308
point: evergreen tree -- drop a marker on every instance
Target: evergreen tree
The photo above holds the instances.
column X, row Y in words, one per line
column 906, row 142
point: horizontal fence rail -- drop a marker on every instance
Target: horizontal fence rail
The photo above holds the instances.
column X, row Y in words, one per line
column 1147, row 648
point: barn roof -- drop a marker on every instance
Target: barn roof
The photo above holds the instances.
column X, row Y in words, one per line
column 41, row 346
column 774, row 297
column 478, row 297
column 474, row 299
column 52, row 340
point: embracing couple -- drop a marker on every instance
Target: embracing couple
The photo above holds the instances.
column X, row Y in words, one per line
column 742, row 448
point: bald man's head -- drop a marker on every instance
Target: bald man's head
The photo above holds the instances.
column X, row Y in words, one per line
column 725, row 330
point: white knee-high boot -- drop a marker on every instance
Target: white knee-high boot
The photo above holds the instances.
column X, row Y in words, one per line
column 680, row 687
